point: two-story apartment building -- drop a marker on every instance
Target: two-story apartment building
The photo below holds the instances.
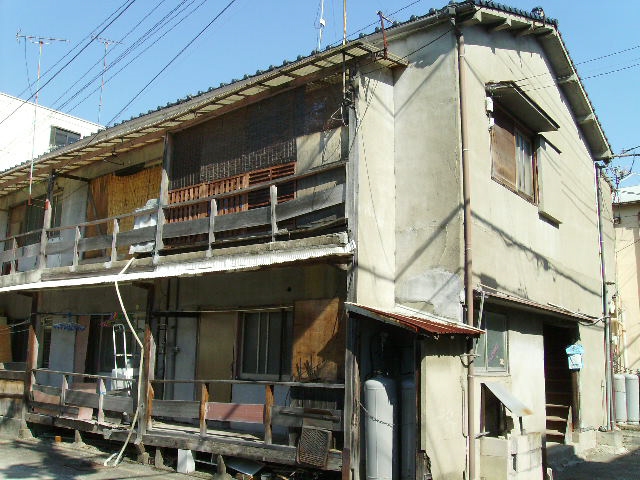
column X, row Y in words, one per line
column 370, row 260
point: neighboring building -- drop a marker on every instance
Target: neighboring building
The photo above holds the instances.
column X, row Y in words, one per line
column 21, row 142
column 294, row 249
column 626, row 214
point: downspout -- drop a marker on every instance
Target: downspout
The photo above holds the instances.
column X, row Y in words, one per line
column 608, row 374
column 468, row 272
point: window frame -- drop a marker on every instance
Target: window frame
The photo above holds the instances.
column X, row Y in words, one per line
column 285, row 347
column 482, row 344
column 68, row 134
column 517, row 130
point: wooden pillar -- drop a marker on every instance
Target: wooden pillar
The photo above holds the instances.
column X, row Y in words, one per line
column 114, row 241
column 101, row 391
column 204, row 398
column 44, row 237
column 163, row 195
column 268, row 403
column 351, row 420
column 273, row 195
column 213, row 213
column 145, row 377
column 76, row 248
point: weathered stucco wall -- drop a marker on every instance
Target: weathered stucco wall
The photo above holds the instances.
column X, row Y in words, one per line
column 374, row 150
column 627, row 254
column 428, row 271
column 442, row 408
column 546, row 263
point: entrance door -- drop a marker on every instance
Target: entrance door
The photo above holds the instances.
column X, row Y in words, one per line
column 184, row 357
column 561, row 386
column 216, row 346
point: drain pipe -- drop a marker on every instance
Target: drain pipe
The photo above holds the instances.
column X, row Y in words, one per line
column 468, row 272
column 608, row 373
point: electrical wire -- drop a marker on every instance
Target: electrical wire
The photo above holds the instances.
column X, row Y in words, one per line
column 134, row 58
column 118, row 458
column 46, row 72
column 206, row 27
column 66, row 64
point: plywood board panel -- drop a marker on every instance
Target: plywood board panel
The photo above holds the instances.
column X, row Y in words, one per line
column 82, row 337
column 216, row 352
column 318, row 341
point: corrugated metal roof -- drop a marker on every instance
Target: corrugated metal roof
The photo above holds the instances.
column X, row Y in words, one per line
column 150, row 128
column 418, row 324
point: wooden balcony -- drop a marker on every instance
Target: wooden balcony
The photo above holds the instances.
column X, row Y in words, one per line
column 115, row 408
column 262, row 208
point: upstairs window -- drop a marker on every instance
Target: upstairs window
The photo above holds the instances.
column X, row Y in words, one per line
column 517, row 123
column 61, row 137
column 514, row 160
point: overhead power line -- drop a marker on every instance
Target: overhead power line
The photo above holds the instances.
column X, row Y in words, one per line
column 206, row 27
column 68, row 63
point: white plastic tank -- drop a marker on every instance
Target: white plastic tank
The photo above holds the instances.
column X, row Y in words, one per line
column 380, row 430
column 620, row 397
column 408, row 428
column 632, row 386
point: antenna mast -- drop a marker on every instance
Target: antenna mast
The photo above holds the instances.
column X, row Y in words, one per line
column 106, row 43
column 321, row 24
column 41, row 42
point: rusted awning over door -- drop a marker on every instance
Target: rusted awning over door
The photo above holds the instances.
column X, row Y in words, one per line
column 418, row 324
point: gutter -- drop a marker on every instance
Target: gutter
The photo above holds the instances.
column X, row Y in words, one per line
column 468, row 264
column 608, row 371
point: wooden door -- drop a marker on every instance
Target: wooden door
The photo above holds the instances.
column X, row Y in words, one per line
column 216, row 352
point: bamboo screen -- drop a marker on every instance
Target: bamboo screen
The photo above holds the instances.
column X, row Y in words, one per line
column 256, row 137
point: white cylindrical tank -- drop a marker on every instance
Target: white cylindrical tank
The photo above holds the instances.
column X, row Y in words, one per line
column 620, row 397
column 380, row 429
column 408, row 428
column 632, row 386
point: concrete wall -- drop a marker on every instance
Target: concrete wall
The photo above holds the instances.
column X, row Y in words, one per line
column 428, row 264
column 442, row 409
column 546, row 262
column 18, row 134
column 373, row 151
column 627, row 246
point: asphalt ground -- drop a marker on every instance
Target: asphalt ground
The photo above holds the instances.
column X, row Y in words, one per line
column 46, row 459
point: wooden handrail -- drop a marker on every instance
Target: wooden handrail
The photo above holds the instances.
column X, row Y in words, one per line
column 85, row 375
column 334, row 386
column 259, row 186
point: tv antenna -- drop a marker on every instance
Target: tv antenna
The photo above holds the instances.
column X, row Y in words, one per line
column 41, row 42
column 106, row 42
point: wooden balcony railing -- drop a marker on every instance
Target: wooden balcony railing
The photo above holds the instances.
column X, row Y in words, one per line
column 316, row 190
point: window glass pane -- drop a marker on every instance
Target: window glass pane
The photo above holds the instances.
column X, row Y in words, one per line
column 525, row 164
column 250, row 342
column 275, row 335
column 496, row 342
column 481, row 351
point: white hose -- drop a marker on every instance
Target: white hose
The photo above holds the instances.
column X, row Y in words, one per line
column 140, row 369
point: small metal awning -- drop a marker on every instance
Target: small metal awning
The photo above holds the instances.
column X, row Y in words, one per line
column 507, row 398
column 509, row 96
column 417, row 324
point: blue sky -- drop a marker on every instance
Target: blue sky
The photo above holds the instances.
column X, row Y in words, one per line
column 253, row 35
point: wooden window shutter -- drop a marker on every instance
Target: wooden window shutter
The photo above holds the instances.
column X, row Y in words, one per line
column 503, row 149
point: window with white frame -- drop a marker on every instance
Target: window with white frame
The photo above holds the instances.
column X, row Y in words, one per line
column 492, row 347
column 266, row 350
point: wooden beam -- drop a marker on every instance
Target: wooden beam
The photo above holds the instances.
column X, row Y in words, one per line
column 204, row 398
column 268, row 404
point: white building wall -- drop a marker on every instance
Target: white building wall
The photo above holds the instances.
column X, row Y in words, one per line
column 19, row 140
